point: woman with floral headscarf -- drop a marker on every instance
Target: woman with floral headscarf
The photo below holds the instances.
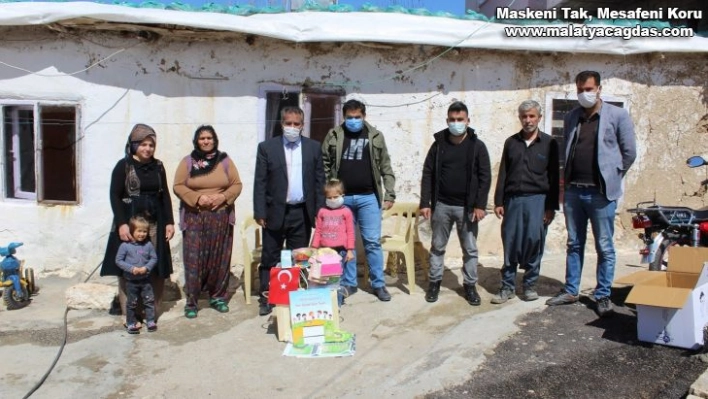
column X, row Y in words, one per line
column 207, row 183
column 139, row 187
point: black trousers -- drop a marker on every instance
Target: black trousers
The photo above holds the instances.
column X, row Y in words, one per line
column 295, row 233
column 139, row 289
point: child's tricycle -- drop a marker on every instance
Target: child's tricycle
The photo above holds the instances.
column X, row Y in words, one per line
column 17, row 283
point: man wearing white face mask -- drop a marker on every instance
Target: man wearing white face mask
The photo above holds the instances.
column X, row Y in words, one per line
column 599, row 149
column 287, row 193
column 454, row 189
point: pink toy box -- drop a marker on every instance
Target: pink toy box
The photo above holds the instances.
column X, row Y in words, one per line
column 325, row 265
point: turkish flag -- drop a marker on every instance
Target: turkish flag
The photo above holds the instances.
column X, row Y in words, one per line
column 282, row 281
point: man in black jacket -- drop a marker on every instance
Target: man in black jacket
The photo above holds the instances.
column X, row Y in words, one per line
column 454, row 189
column 287, row 193
column 527, row 198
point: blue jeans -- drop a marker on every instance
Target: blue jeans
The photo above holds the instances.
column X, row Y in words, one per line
column 367, row 213
column 581, row 205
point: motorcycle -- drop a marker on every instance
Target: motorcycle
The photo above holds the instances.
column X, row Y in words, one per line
column 18, row 283
column 666, row 226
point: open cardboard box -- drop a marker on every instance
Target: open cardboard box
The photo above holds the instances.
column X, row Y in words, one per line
column 672, row 306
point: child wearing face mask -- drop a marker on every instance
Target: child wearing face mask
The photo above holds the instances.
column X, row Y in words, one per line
column 335, row 224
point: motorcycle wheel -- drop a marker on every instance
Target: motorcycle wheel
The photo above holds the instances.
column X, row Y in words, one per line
column 661, row 260
column 14, row 301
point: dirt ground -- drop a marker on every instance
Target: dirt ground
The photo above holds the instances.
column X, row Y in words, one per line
column 566, row 352
column 405, row 348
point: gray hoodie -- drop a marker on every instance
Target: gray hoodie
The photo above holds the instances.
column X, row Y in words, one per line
column 136, row 254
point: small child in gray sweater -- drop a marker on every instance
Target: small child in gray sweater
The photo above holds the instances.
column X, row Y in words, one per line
column 137, row 259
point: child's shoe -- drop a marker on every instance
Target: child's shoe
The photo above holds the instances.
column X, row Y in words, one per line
column 151, row 326
column 133, row 329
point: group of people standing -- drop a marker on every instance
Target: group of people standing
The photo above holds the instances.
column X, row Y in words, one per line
column 207, row 183
column 289, row 190
column 599, row 150
column 350, row 175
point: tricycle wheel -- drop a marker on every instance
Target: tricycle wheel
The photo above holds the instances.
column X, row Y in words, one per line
column 29, row 278
column 14, row 301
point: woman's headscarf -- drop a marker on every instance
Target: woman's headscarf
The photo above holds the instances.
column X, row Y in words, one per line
column 203, row 163
column 139, row 133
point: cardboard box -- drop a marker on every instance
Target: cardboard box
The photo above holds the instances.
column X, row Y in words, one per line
column 282, row 318
column 284, row 323
column 672, row 306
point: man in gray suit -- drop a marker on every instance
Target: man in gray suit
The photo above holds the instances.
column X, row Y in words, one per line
column 599, row 149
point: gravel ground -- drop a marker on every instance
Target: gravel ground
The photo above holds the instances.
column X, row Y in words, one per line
column 567, row 352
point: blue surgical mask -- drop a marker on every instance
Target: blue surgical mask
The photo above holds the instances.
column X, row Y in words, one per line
column 457, row 128
column 354, row 124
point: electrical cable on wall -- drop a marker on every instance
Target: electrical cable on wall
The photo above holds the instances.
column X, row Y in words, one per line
column 61, row 75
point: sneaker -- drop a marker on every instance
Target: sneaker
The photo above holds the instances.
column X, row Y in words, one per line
column 382, row 294
column 530, row 294
column 348, row 290
column 604, row 307
column 471, row 294
column 562, row 298
column 133, row 329
column 264, row 308
column 151, row 326
column 504, row 295
column 433, row 291
column 340, row 296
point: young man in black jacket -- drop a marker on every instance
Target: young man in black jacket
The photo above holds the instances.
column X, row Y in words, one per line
column 454, row 189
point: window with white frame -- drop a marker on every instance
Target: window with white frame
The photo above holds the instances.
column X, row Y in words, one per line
column 322, row 109
column 39, row 152
column 559, row 104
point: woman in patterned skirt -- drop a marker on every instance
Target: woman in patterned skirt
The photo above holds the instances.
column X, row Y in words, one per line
column 207, row 183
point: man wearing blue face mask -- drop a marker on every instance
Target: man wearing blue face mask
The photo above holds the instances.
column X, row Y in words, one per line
column 599, row 149
column 456, row 180
column 356, row 154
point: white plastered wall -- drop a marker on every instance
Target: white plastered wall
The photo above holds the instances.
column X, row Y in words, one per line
column 175, row 86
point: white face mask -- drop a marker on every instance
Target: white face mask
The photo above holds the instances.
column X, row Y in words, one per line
column 291, row 133
column 457, row 128
column 587, row 99
column 335, row 203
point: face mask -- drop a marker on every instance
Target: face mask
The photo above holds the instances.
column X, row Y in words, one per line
column 291, row 133
column 457, row 128
column 354, row 124
column 587, row 99
column 335, row 202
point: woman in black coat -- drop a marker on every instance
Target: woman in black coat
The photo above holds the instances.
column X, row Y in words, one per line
column 139, row 187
